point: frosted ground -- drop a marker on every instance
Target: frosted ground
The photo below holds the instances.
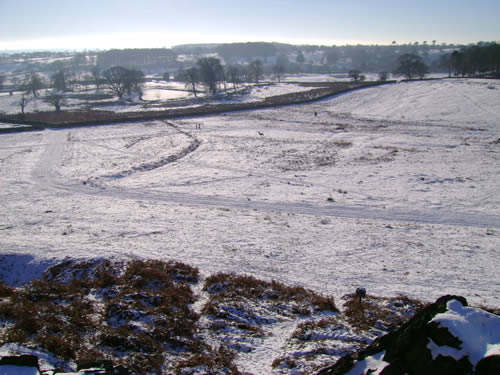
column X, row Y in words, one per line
column 394, row 188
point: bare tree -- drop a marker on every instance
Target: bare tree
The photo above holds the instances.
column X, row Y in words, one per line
column 255, row 71
column 422, row 70
column 23, row 103
column 134, row 79
column 59, row 80
column 190, row 77
column 278, row 70
column 121, row 80
column 457, row 63
column 234, row 74
column 411, row 65
column 95, row 71
column 382, row 76
column 222, row 77
column 116, row 78
column 57, row 100
column 355, row 74
column 210, row 72
column 33, row 83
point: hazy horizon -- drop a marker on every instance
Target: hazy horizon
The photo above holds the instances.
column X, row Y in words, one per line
column 352, row 43
column 73, row 25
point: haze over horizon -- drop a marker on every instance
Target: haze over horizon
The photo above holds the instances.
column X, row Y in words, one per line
column 73, row 25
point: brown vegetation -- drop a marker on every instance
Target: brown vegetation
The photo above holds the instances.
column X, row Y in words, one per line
column 131, row 312
column 224, row 287
column 140, row 315
column 381, row 313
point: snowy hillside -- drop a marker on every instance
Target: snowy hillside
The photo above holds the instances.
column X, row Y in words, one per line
column 394, row 188
column 329, row 201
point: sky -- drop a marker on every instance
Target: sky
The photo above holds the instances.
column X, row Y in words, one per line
column 104, row 24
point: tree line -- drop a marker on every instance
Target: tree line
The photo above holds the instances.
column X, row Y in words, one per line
column 476, row 60
column 118, row 80
column 482, row 59
column 209, row 72
column 289, row 58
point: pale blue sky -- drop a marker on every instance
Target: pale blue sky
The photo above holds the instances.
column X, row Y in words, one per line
column 77, row 24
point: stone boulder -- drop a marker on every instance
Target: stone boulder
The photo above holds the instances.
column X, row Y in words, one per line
column 446, row 337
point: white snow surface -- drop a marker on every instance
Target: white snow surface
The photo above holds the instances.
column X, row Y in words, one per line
column 373, row 363
column 17, row 370
column 478, row 330
column 393, row 188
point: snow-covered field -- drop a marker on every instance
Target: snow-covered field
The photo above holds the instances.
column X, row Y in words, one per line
column 393, row 188
column 156, row 96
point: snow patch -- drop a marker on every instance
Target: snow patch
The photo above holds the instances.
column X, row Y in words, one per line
column 373, row 365
column 17, row 269
column 478, row 330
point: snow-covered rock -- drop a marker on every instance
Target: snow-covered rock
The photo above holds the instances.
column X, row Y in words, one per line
column 447, row 337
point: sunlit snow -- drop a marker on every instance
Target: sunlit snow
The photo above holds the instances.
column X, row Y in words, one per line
column 393, row 188
column 466, row 323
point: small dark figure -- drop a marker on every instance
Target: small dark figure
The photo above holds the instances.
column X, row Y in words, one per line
column 360, row 294
column 260, row 133
column 316, row 114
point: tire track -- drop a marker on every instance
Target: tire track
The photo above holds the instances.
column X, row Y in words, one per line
column 151, row 165
column 45, row 175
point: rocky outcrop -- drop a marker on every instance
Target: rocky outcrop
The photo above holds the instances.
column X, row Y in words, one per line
column 425, row 345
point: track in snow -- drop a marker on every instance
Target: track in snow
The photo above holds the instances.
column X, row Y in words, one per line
column 46, row 175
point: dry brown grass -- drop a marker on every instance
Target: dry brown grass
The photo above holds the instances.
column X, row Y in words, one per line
column 383, row 313
column 5, row 290
column 214, row 361
column 139, row 314
column 144, row 307
column 224, row 286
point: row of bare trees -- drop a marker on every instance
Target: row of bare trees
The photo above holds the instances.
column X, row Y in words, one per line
column 209, row 72
column 117, row 79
